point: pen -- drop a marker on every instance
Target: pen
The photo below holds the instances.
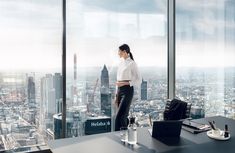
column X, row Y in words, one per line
column 226, row 133
column 213, row 122
column 212, row 125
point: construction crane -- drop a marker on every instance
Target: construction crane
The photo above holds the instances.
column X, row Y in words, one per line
column 92, row 96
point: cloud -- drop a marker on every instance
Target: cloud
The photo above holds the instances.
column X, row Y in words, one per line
column 205, row 18
column 198, row 6
column 33, row 28
column 22, row 13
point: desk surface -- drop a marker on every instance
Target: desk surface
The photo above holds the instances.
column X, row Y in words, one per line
column 188, row 142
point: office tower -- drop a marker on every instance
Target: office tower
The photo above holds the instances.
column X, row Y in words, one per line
column 74, row 86
column 57, row 127
column 75, row 75
column 48, row 94
column 105, row 93
column 105, row 77
column 31, row 92
column 48, row 102
column 144, row 89
column 106, row 103
column 75, row 66
column 51, row 105
column 75, row 120
column 57, row 84
column 71, row 131
column 59, row 105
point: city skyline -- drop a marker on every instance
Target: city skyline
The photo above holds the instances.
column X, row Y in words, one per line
column 209, row 94
column 31, row 88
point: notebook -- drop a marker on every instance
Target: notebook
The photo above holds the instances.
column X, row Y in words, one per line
column 194, row 127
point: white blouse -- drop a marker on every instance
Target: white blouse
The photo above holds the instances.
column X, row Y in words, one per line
column 128, row 70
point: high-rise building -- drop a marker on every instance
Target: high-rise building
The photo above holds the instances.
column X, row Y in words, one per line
column 57, row 126
column 57, row 84
column 31, row 92
column 75, row 66
column 105, row 93
column 74, row 86
column 105, row 77
column 48, row 102
column 75, row 120
column 106, row 103
column 51, row 105
column 144, row 92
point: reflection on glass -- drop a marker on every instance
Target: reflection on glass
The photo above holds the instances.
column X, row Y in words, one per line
column 205, row 72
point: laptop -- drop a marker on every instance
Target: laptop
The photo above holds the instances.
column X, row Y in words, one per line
column 163, row 129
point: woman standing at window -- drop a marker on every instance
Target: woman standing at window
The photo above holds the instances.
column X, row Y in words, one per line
column 127, row 77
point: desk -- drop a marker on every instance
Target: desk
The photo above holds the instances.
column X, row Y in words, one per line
column 188, row 142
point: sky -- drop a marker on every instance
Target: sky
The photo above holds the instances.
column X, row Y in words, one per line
column 31, row 38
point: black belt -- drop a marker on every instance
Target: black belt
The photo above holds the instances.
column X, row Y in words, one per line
column 124, row 80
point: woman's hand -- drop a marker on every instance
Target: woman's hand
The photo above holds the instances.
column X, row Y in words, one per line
column 120, row 84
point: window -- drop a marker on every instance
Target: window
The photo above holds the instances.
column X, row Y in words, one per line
column 30, row 71
column 205, row 38
column 30, row 64
column 95, row 30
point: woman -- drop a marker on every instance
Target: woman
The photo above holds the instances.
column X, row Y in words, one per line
column 127, row 77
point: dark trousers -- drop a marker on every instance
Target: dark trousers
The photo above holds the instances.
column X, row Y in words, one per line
column 124, row 98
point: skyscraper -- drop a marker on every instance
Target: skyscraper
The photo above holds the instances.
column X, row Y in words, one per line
column 48, row 102
column 75, row 120
column 31, row 92
column 105, row 77
column 105, row 93
column 74, row 86
column 75, row 66
column 144, row 89
column 106, row 103
column 57, row 84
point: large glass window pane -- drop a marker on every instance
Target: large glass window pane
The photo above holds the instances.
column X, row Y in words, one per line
column 95, row 30
column 30, row 72
column 205, row 43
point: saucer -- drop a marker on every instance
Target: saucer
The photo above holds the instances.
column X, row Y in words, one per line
column 217, row 137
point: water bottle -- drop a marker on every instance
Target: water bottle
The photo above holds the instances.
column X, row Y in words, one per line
column 132, row 131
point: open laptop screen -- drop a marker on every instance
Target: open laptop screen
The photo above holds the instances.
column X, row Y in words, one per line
column 170, row 128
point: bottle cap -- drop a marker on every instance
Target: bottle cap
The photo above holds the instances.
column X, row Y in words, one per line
column 132, row 120
column 226, row 127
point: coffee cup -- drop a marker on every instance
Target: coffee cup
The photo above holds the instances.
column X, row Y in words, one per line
column 216, row 132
